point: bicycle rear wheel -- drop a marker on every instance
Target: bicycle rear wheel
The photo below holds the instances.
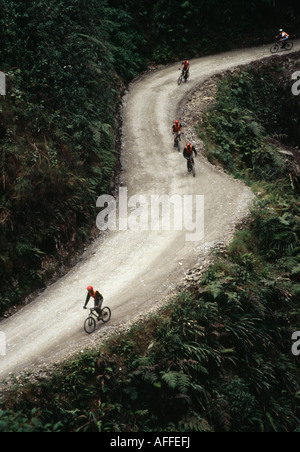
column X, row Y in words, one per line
column 90, row 325
column 275, row 48
column 106, row 315
column 289, row 45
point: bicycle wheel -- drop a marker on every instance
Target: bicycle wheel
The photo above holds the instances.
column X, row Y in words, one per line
column 178, row 144
column 179, row 81
column 275, row 48
column 106, row 315
column 289, row 45
column 194, row 171
column 90, row 325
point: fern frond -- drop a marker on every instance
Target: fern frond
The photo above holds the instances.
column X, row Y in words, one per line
column 177, row 380
column 195, row 424
column 95, row 40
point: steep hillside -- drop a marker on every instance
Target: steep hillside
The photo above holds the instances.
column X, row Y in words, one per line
column 57, row 130
column 66, row 65
column 219, row 357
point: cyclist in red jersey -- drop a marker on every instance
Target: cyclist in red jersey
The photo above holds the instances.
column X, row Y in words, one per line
column 177, row 128
column 188, row 152
column 98, row 299
column 185, row 65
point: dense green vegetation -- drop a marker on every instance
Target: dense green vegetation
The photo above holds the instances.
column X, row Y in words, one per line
column 66, row 64
column 218, row 358
column 57, row 129
column 247, row 131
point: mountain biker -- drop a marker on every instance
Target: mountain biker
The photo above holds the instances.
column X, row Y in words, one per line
column 188, row 153
column 185, row 65
column 98, row 298
column 176, row 129
column 283, row 37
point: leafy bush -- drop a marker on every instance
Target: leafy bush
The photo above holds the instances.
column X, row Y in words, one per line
column 240, row 121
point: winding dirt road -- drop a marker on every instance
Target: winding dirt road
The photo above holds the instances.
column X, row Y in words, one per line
column 135, row 270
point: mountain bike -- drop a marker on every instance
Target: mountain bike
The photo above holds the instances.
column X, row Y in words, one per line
column 91, row 321
column 191, row 166
column 183, row 76
column 288, row 45
column 177, row 141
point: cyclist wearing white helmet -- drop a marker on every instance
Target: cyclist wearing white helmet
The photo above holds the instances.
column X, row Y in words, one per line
column 283, row 37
